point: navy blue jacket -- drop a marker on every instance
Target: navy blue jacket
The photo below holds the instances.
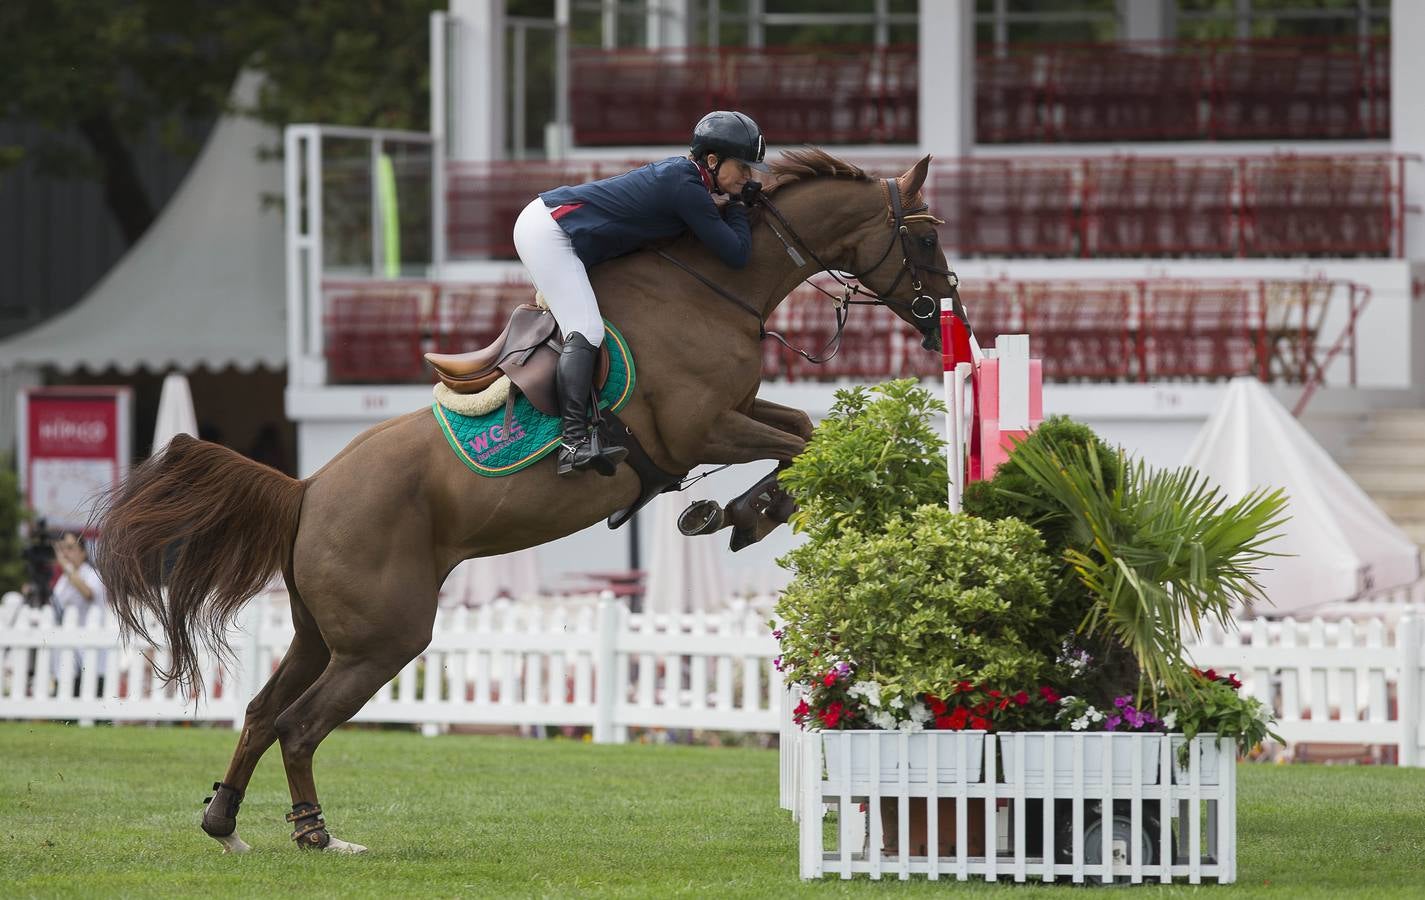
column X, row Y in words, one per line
column 660, row 200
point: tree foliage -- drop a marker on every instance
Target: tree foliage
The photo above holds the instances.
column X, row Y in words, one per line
column 113, row 72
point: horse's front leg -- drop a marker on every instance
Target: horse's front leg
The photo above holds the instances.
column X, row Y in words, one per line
column 769, row 431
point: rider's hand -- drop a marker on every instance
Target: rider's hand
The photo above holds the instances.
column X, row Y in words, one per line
column 721, row 200
column 751, row 192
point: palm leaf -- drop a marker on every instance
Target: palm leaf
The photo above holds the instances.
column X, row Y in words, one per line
column 1160, row 553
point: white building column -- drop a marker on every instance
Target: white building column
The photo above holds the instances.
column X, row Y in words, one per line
column 668, row 24
column 476, row 80
column 1146, row 20
column 1407, row 113
column 947, row 77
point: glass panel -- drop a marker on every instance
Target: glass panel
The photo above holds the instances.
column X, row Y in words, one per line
column 346, row 207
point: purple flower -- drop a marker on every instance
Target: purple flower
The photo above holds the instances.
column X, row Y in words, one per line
column 777, row 664
column 1121, row 702
column 777, row 634
column 1111, row 723
column 1134, row 717
column 843, row 670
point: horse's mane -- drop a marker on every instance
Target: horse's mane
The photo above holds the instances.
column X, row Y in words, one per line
column 812, row 162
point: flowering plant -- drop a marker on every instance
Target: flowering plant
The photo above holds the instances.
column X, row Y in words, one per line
column 1215, row 705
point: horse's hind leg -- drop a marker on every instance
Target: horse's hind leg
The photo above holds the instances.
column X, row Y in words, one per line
column 304, row 661
column 359, row 666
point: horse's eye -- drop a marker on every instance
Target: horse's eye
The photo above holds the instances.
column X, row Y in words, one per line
column 928, row 241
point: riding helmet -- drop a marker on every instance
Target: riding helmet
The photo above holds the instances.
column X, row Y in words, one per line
column 731, row 135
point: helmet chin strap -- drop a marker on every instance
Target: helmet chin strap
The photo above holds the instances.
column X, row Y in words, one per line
column 713, row 170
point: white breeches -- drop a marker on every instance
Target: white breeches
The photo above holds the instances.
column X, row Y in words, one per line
column 548, row 256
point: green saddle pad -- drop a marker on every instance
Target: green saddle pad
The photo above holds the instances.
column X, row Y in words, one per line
column 481, row 442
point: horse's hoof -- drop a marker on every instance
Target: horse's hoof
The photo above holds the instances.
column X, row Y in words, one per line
column 232, row 843
column 337, row 845
column 701, row 517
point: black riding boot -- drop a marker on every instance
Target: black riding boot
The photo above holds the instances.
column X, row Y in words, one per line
column 583, row 448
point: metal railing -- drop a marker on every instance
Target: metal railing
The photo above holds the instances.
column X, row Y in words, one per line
column 1287, row 332
column 1265, row 205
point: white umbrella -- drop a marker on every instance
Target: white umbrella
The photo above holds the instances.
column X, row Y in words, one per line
column 476, row 582
column 684, row 573
column 175, row 412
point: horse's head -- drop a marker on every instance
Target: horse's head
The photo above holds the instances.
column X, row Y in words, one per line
column 882, row 232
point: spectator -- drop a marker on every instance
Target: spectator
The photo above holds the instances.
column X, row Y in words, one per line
column 78, row 587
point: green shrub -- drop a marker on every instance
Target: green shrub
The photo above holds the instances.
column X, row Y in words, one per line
column 870, row 460
column 918, row 603
column 13, row 573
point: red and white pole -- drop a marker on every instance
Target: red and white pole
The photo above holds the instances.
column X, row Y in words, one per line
column 958, row 362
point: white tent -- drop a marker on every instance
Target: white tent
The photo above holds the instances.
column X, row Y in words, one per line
column 684, row 573
column 476, row 582
column 175, row 412
column 202, row 287
column 1342, row 544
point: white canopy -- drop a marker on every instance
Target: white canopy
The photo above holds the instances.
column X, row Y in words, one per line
column 684, row 573
column 202, row 287
column 1342, row 544
column 175, row 412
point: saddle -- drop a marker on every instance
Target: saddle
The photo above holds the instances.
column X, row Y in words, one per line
column 527, row 351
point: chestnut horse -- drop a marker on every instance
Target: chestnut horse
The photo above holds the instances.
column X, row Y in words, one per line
column 365, row 543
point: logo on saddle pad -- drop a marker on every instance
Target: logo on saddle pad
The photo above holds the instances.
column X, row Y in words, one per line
column 484, row 445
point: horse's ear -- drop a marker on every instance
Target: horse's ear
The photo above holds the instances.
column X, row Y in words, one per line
column 911, row 182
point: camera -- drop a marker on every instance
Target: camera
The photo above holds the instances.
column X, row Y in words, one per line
column 39, row 559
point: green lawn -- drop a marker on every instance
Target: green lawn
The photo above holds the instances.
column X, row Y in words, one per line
column 104, row 812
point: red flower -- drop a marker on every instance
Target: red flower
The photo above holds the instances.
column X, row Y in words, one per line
column 1210, row 674
column 956, row 720
column 801, row 710
column 936, row 705
column 1004, row 704
column 965, row 687
column 996, row 694
column 1021, row 698
column 980, row 724
column 1232, row 680
column 982, row 709
column 1049, row 694
column 830, row 679
column 832, row 715
column 943, row 723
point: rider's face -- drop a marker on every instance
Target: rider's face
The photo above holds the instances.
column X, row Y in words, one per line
column 732, row 176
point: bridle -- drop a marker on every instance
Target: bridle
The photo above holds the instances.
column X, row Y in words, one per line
column 923, row 307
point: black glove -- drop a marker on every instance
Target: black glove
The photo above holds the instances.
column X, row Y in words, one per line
column 751, row 192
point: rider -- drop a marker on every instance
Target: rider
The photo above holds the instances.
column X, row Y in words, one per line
column 564, row 231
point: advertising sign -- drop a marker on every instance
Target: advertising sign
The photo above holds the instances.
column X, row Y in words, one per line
column 74, row 444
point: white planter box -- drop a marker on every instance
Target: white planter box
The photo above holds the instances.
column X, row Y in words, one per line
column 1013, row 823
column 858, row 748
column 1209, row 759
column 1124, row 751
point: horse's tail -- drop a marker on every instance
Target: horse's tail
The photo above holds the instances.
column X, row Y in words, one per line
column 191, row 535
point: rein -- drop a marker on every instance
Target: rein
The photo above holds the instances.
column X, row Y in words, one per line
column 900, row 218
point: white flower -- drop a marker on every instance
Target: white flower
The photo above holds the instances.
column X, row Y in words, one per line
column 1065, row 701
column 912, row 725
column 869, row 690
column 1093, row 715
column 897, row 703
column 1170, row 721
column 1080, row 723
column 883, row 720
column 920, row 714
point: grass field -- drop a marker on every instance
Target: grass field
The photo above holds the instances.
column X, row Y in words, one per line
column 106, row 812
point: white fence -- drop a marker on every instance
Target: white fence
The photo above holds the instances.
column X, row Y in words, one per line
column 590, row 664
